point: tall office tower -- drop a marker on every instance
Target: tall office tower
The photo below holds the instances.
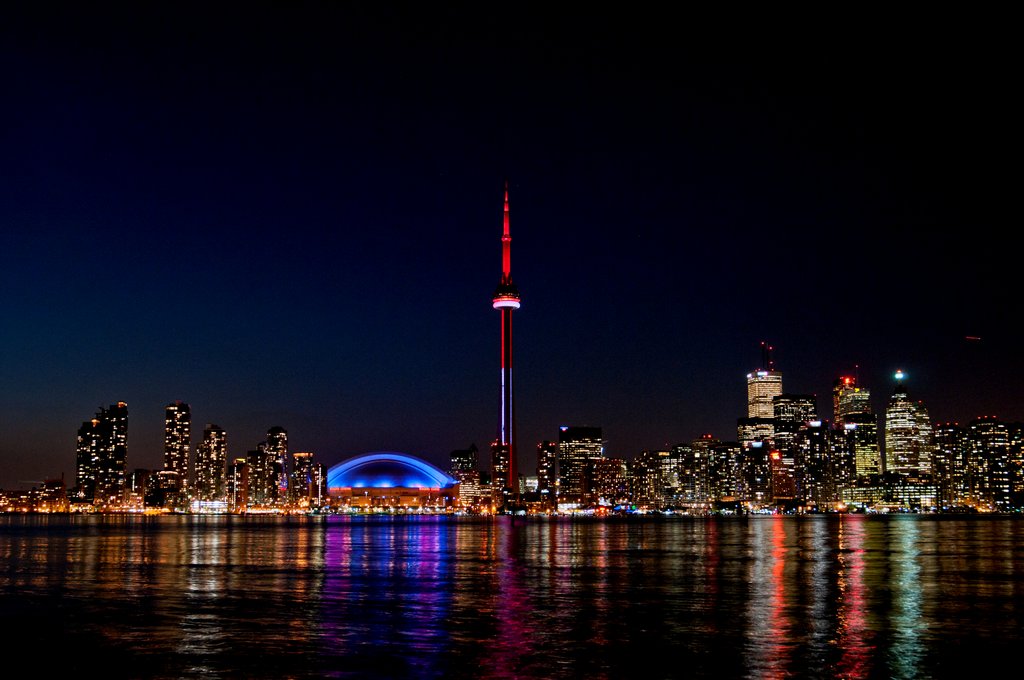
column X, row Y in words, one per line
column 645, row 479
column 301, row 482
column 277, row 449
column 908, row 435
column 504, row 462
column 211, row 458
column 178, row 441
column 88, row 452
column 754, row 483
column 793, row 415
column 951, row 462
column 547, row 473
column 111, row 472
column 238, row 486
column 763, row 385
column 726, row 459
column 262, row 478
column 609, row 484
column 848, row 398
column 861, row 432
column 577, row 447
column 989, row 462
column 816, row 483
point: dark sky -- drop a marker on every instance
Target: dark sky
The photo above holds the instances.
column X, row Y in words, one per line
column 289, row 214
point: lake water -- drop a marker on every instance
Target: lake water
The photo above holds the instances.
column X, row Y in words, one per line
column 262, row 597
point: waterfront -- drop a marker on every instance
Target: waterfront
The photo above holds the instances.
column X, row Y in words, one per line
column 189, row 596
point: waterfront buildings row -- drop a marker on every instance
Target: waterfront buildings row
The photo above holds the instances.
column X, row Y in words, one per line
column 786, row 457
column 266, row 479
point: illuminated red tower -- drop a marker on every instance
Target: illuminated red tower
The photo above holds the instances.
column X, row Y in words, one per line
column 504, row 474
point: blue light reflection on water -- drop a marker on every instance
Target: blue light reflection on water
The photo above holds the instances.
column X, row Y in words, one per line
column 447, row 597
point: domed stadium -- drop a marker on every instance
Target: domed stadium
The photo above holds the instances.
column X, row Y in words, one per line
column 390, row 480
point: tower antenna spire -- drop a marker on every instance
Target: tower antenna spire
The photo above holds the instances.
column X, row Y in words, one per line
column 504, row 461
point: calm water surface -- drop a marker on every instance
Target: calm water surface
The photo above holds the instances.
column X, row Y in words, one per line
column 849, row 596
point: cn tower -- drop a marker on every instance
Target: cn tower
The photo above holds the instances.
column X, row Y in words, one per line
column 504, row 474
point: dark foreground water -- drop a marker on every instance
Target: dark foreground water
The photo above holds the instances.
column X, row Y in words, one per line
column 233, row 597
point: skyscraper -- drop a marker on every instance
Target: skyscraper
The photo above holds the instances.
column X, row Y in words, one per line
column 261, row 481
column 238, row 486
column 211, row 459
column 178, row 441
column 277, row 450
column 848, row 398
column 302, row 482
column 908, row 435
column 504, row 464
column 87, row 460
column 101, row 457
column 763, row 385
column 547, row 473
column 577, row 447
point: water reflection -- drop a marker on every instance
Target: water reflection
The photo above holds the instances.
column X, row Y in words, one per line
column 849, row 596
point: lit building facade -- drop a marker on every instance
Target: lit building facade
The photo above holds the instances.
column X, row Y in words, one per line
column 262, row 479
column 277, row 450
column 238, row 486
column 178, row 440
column 610, row 481
column 908, row 435
column 101, row 454
column 211, row 460
column 577, row 447
column 547, row 473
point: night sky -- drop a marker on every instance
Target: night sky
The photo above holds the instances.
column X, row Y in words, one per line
column 290, row 215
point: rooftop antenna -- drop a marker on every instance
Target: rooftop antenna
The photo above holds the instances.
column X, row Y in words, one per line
column 766, row 356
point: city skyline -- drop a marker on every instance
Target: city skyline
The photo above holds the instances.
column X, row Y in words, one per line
column 306, row 238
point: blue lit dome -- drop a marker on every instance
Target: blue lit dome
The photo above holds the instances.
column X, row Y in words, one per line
column 385, row 469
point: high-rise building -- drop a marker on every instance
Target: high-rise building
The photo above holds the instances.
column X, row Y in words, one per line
column 262, row 480
column 238, row 486
column 504, row 462
column 908, row 435
column 88, row 451
column 763, row 385
column 848, row 398
column 645, row 483
column 101, row 457
column 211, row 458
column 794, row 413
column 609, row 485
column 989, row 462
column 723, row 467
column 547, row 473
column 178, row 440
column 302, row 482
column 951, row 464
column 861, row 431
column 577, row 447
column 277, row 449
column 754, row 482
